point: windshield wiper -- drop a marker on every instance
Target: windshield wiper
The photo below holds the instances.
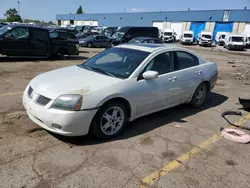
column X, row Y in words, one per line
column 102, row 71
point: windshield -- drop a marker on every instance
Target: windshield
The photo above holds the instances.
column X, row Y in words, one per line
column 207, row 36
column 4, row 29
column 78, row 28
column 118, row 62
column 237, row 39
column 135, row 41
column 187, row 35
column 168, row 33
column 118, row 35
column 222, row 36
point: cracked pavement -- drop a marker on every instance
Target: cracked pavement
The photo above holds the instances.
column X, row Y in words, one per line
column 31, row 157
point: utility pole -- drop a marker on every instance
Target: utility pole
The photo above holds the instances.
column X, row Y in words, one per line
column 19, row 13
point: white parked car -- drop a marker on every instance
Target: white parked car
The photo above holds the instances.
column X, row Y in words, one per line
column 187, row 37
column 247, row 40
column 220, row 38
column 169, row 36
column 205, row 38
column 116, row 86
column 234, row 41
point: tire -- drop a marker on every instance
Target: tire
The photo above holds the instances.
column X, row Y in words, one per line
column 104, row 117
column 198, row 97
column 89, row 45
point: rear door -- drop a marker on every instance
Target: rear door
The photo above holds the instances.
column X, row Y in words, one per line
column 187, row 76
column 17, row 42
column 40, row 41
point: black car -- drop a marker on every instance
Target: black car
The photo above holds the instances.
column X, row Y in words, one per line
column 21, row 40
column 85, row 35
column 94, row 41
column 125, row 34
column 146, row 40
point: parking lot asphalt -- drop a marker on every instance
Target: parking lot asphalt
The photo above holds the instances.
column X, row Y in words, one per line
column 180, row 147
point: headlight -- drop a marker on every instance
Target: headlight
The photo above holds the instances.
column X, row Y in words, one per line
column 83, row 41
column 68, row 102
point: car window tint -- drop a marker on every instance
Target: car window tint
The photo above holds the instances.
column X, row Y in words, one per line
column 19, row 33
column 53, row 35
column 98, row 37
column 39, row 34
column 67, row 35
column 185, row 60
column 163, row 63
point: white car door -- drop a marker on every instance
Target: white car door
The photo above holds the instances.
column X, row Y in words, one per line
column 188, row 76
column 157, row 94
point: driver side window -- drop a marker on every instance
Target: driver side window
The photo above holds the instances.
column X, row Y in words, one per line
column 18, row 33
column 162, row 63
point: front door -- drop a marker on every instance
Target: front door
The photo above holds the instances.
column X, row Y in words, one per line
column 17, row 42
column 158, row 93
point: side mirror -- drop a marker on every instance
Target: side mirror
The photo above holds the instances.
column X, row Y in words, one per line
column 150, row 75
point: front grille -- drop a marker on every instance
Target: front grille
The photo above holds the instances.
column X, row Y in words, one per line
column 43, row 100
column 30, row 90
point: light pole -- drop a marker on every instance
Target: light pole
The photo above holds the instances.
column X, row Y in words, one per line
column 19, row 13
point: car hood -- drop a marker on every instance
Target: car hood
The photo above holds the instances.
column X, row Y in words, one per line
column 70, row 80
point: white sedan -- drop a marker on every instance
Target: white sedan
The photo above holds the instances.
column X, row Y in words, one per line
column 117, row 86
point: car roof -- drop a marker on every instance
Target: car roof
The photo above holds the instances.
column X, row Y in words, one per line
column 188, row 32
column 147, row 47
column 236, row 35
column 26, row 26
column 206, row 33
column 144, row 38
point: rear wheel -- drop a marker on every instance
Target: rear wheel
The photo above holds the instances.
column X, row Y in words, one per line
column 200, row 95
column 89, row 45
column 110, row 120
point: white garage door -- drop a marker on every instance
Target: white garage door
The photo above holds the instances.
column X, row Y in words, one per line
column 177, row 27
column 247, row 29
column 86, row 22
column 65, row 22
column 93, row 23
column 159, row 25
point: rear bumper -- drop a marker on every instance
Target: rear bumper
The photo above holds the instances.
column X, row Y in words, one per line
column 213, row 80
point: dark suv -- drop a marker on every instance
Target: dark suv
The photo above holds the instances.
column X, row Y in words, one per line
column 21, row 40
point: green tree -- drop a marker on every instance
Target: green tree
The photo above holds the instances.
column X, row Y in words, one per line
column 12, row 15
column 79, row 10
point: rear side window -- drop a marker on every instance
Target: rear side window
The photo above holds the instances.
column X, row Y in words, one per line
column 67, row 35
column 39, row 34
column 185, row 60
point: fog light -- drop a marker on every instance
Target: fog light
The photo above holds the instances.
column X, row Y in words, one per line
column 56, row 126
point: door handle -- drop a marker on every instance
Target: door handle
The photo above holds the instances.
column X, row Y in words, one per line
column 198, row 72
column 172, row 79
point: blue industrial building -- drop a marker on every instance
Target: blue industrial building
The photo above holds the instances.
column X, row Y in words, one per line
column 237, row 21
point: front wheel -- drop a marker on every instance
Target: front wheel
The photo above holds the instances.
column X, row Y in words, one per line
column 199, row 96
column 110, row 120
column 89, row 45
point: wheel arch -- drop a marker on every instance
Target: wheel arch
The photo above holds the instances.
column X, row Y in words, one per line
column 117, row 98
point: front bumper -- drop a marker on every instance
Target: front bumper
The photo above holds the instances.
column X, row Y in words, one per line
column 205, row 43
column 236, row 47
column 67, row 123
